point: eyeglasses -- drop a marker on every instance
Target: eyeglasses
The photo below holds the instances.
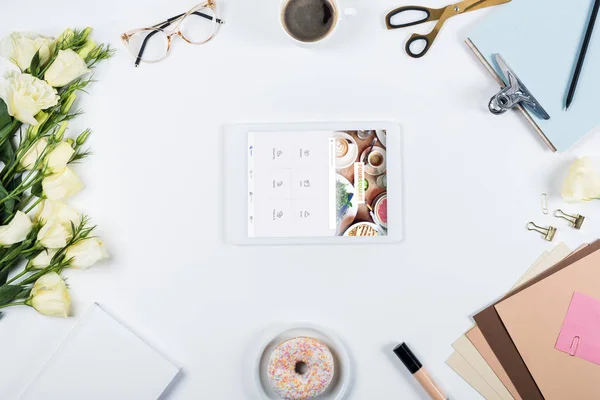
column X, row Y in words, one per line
column 153, row 44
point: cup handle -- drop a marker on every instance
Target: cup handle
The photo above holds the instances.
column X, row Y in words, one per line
column 349, row 12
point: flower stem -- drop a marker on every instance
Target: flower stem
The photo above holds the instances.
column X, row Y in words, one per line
column 24, row 202
column 17, row 277
column 34, row 277
column 20, row 303
column 38, row 201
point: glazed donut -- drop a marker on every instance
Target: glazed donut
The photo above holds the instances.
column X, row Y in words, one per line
column 300, row 368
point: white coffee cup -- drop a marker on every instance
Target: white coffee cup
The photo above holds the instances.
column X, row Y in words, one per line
column 339, row 14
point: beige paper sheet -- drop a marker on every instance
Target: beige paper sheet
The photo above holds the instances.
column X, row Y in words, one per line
column 466, row 371
column 534, row 317
column 475, row 353
column 476, row 338
column 466, row 349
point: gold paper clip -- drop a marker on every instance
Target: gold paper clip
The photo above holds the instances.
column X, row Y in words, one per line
column 575, row 220
column 548, row 232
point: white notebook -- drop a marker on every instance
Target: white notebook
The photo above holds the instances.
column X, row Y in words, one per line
column 102, row 359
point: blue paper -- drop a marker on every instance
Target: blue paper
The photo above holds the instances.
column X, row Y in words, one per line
column 540, row 40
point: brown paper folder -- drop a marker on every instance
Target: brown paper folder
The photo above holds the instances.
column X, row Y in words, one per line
column 475, row 336
column 534, row 318
column 500, row 342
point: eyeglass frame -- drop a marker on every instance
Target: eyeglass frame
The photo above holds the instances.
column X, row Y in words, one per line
column 160, row 27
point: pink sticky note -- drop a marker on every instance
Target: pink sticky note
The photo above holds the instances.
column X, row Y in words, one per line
column 580, row 333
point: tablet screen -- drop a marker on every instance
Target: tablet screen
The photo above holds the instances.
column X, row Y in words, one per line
column 317, row 183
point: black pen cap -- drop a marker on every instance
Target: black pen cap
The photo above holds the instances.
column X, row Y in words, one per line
column 408, row 358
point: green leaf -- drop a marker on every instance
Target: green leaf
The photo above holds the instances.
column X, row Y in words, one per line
column 34, row 68
column 7, row 212
column 12, row 185
column 8, row 293
column 5, row 119
column 9, row 129
column 9, row 205
column 37, row 189
column 7, row 152
column 23, row 294
column 3, row 192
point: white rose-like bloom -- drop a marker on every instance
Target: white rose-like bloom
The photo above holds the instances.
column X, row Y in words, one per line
column 582, row 182
column 59, row 157
column 33, row 154
column 86, row 253
column 54, row 235
column 26, row 95
column 6, row 66
column 67, row 67
column 62, row 185
column 20, row 48
column 43, row 259
column 49, row 296
column 16, row 231
column 58, row 210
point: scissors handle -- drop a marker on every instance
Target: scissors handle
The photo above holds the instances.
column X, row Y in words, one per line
column 431, row 14
column 428, row 39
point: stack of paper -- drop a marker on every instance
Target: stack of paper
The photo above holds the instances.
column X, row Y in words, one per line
column 477, row 362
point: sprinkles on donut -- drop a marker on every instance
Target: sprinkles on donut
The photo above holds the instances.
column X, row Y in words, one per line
column 300, row 368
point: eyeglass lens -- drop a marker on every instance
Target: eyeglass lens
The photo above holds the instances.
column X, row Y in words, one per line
column 152, row 44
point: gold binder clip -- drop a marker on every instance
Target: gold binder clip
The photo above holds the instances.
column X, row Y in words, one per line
column 575, row 220
column 548, row 232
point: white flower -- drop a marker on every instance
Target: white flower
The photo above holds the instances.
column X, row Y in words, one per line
column 86, row 253
column 67, row 67
column 33, row 154
column 43, row 259
column 49, row 296
column 20, row 48
column 59, row 157
column 6, row 67
column 16, row 231
column 62, row 185
column 582, row 182
column 25, row 96
column 55, row 209
column 54, row 235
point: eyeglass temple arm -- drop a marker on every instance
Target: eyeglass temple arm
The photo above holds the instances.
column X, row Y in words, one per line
column 163, row 25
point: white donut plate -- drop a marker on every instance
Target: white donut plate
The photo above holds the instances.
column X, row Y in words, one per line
column 339, row 388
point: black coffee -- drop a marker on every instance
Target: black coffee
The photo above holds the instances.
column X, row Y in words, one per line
column 309, row 20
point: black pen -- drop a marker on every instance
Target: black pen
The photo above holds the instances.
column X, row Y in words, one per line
column 582, row 53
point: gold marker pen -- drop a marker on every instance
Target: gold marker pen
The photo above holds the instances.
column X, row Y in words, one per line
column 415, row 367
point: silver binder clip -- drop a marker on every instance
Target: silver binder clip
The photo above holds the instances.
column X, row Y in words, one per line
column 514, row 93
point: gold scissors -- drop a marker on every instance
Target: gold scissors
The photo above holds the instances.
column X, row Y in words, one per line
column 433, row 14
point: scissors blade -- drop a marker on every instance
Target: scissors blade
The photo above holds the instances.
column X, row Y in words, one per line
column 472, row 5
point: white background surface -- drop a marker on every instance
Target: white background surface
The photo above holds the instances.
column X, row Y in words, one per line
column 471, row 183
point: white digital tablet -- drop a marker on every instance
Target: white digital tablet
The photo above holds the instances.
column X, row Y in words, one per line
column 318, row 183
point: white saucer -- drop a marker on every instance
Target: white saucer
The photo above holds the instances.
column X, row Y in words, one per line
column 369, row 169
column 382, row 136
column 339, row 388
column 350, row 157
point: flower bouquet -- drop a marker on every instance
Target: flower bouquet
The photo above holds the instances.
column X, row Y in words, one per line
column 40, row 235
